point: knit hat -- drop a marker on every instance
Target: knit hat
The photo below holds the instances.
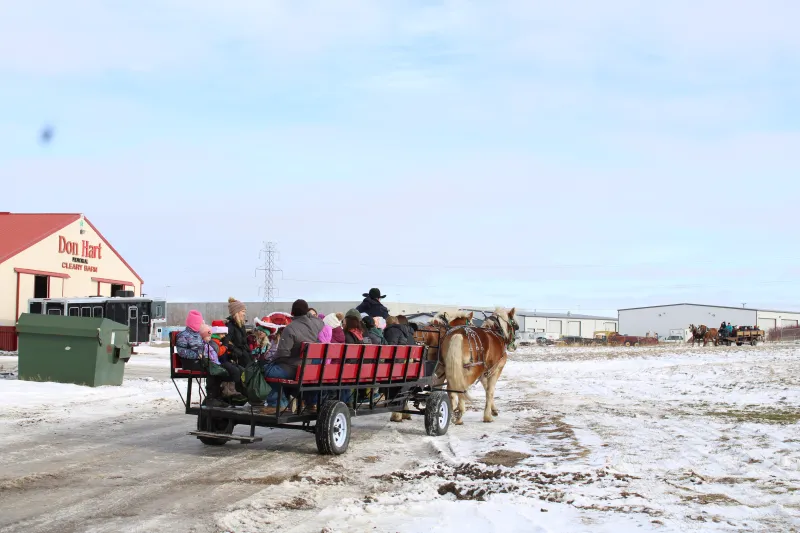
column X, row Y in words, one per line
column 264, row 325
column 194, row 320
column 352, row 313
column 234, row 306
column 299, row 308
column 380, row 322
column 326, row 334
column 332, row 320
column 218, row 327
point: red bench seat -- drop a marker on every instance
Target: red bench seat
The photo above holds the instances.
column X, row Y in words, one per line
column 328, row 363
column 176, row 363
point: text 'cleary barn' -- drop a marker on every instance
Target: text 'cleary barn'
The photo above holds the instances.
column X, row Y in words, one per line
column 55, row 255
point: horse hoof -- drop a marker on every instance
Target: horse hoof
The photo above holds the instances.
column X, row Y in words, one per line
column 459, row 422
column 495, row 412
column 488, row 419
column 406, row 416
column 396, row 418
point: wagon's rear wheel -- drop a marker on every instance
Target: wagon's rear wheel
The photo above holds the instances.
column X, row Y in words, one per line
column 214, row 425
column 627, row 343
column 438, row 412
column 333, row 428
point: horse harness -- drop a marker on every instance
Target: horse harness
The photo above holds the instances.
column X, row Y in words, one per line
column 476, row 349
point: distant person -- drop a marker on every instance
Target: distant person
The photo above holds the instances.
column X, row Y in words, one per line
column 372, row 305
column 395, row 333
column 238, row 349
column 374, row 333
column 337, row 333
column 354, row 331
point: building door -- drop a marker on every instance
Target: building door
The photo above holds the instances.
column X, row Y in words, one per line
column 554, row 326
column 610, row 326
column 41, row 287
column 115, row 288
column 133, row 322
column 573, row 328
column 766, row 324
column 788, row 323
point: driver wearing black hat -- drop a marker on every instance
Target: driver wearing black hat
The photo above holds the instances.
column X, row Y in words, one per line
column 372, row 305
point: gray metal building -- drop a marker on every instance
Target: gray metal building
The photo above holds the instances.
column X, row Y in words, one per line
column 662, row 318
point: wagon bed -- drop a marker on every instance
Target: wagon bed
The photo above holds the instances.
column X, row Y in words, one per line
column 402, row 373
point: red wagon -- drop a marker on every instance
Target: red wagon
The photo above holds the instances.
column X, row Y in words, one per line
column 402, row 373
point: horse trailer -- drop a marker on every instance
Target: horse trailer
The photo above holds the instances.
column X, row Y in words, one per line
column 138, row 313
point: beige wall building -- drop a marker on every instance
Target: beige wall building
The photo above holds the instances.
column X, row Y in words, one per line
column 54, row 256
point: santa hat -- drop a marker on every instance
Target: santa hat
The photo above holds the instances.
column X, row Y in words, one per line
column 267, row 327
column 218, row 327
column 279, row 318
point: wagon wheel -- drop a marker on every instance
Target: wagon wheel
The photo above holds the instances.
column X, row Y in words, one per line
column 627, row 343
column 333, row 428
column 214, row 425
column 438, row 412
column 635, row 344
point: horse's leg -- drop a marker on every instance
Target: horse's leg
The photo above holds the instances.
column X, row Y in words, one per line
column 398, row 417
column 485, row 383
column 492, row 381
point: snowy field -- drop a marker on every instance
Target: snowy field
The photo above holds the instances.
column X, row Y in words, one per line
column 588, row 439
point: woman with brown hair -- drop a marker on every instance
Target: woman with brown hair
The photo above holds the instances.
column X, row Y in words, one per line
column 354, row 330
column 236, row 341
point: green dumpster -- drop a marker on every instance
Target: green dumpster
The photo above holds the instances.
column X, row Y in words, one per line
column 67, row 349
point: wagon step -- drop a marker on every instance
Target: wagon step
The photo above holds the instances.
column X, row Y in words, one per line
column 225, row 436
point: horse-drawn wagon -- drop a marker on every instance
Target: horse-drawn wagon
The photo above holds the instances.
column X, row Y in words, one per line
column 740, row 336
column 404, row 375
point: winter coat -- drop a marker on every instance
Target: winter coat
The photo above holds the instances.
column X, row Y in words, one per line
column 373, row 307
column 302, row 329
column 337, row 336
column 236, row 343
column 376, row 336
column 189, row 344
column 352, row 338
column 397, row 335
column 210, row 351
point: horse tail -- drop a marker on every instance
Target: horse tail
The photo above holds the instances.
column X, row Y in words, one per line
column 454, row 365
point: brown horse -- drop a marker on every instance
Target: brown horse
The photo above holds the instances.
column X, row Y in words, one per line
column 431, row 336
column 473, row 354
column 704, row 333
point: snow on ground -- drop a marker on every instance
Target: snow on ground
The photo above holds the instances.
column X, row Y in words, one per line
column 588, row 439
column 28, row 405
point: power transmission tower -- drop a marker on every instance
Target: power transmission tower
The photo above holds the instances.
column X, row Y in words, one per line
column 269, row 254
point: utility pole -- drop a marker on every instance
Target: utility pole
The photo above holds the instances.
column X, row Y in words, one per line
column 743, row 304
column 269, row 254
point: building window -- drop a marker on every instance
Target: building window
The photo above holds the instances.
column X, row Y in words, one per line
column 86, row 312
column 40, row 284
column 98, row 312
column 115, row 288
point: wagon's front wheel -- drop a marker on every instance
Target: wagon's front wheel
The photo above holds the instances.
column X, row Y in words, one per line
column 437, row 413
column 333, row 428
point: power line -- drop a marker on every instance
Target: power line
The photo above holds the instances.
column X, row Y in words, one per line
column 517, row 266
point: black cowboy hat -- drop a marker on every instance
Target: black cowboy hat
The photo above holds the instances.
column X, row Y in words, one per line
column 374, row 293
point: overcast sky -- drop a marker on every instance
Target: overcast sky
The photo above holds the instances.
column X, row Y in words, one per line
column 548, row 155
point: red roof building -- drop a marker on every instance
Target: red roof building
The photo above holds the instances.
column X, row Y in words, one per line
column 55, row 255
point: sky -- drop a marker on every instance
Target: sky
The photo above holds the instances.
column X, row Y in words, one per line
column 550, row 156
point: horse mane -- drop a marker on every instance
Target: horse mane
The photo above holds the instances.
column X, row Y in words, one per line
column 503, row 314
column 444, row 318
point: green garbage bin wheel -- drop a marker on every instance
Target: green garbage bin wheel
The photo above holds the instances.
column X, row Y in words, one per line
column 216, row 425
